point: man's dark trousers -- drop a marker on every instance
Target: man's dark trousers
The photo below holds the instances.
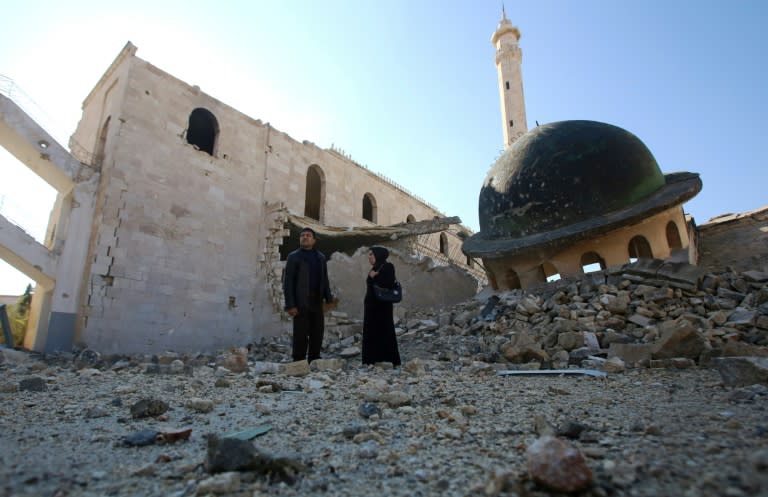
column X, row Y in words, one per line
column 308, row 330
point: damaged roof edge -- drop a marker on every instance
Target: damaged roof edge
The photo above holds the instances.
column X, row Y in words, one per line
column 349, row 239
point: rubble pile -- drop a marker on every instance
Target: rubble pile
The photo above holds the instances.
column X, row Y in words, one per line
column 467, row 414
column 647, row 314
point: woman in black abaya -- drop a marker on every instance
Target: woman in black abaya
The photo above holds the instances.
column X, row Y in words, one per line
column 379, row 339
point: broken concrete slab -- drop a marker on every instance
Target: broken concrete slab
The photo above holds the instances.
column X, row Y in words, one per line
column 552, row 372
column 675, row 274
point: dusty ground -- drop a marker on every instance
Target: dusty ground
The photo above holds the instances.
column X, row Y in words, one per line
column 448, row 428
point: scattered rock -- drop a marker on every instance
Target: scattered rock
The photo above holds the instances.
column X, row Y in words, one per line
column 148, row 408
column 742, row 371
column 33, row 384
column 558, row 465
column 231, row 454
column 140, row 438
column 200, row 405
column 445, row 422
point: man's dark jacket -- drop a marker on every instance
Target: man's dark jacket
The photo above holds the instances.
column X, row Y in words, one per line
column 296, row 283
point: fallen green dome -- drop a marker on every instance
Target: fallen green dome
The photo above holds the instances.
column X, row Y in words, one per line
column 568, row 178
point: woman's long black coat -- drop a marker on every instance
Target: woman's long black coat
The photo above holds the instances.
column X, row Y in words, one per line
column 379, row 339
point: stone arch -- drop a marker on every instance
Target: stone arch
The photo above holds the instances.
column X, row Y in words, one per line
column 639, row 248
column 314, row 197
column 512, row 279
column 369, row 208
column 410, row 219
column 591, row 262
column 203, row 130
column 673, row 236
column 548, row 272
column 443, row 244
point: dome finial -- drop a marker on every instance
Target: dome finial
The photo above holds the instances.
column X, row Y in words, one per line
column 503, row 12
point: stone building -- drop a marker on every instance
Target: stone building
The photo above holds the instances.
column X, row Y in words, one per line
column 173, row 221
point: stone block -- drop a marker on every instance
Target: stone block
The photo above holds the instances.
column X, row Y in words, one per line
column 327, row 365
column 296, row 368
column 631, row 353
column 742, row 371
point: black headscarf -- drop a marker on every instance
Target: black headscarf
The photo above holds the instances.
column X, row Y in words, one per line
column 381, row 254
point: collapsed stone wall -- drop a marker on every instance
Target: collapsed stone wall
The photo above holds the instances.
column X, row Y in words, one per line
column 271, row 267
column 736, row 241
column 426, row 284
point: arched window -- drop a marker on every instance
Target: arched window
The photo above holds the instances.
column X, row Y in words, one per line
column 203, row 130
column 639, row 248
column 369, row 208
column 410, row 219
column 548, row 272
column 443, row 244
column 315, row 191
column 673, row 236
column 512, row 279
column 591, row 262
column 469, row 261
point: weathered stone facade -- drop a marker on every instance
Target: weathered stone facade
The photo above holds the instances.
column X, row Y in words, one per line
column 184, row 250
column 736, row 241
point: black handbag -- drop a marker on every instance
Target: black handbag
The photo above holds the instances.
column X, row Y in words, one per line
column 394, row 294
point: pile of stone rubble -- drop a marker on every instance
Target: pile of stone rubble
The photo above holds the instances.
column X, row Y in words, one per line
column 647, row 314
column 450, row 422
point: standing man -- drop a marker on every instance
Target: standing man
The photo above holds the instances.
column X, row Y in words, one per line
column 305, row 287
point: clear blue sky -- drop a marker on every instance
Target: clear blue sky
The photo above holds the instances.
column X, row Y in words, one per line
column 408, row 87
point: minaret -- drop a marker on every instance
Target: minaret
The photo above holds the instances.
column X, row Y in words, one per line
column 508, row 60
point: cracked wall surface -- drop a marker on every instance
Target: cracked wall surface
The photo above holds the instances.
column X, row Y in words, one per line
column 185, row 247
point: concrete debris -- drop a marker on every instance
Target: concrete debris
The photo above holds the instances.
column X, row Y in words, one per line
column 250, row 433
column 574, row 372
column 482, row 405
column 638, row 315
column 650, row 313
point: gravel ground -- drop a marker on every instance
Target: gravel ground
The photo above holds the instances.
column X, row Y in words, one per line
column 428, row 428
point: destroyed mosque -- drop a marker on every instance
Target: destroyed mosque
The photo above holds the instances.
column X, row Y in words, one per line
column 175, row 213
